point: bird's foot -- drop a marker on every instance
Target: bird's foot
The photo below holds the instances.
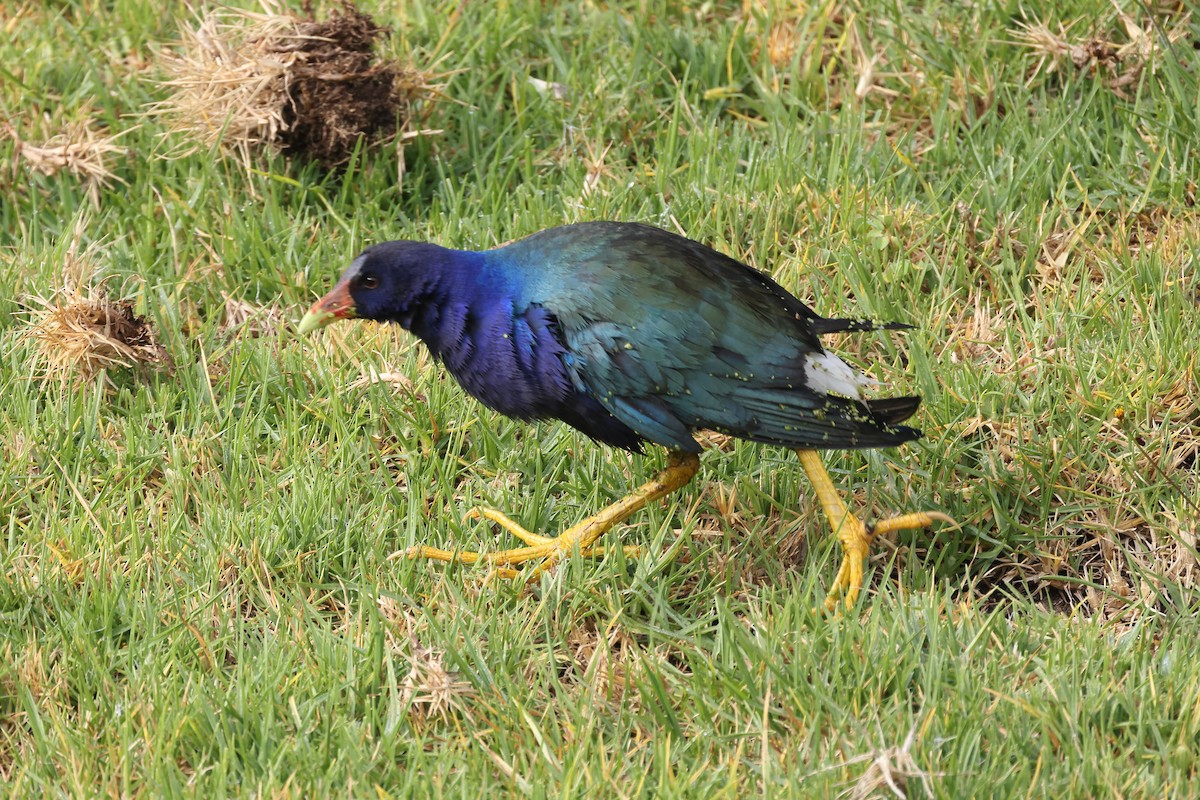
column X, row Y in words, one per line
column 856, row 538
column 548, row 551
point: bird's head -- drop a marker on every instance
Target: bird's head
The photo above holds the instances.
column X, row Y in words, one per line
column 381, row 284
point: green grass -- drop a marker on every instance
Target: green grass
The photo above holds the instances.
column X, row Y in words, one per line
column 197, row 594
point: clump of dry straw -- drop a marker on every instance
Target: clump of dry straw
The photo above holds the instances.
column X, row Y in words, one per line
column 78, row 149
column 245, row 81
column 81, row 333
column 1121, row 61
column 431, row 691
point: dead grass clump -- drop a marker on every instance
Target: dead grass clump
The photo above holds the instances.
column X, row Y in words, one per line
column 1054, row 47
column 889, row 771
column 80, row 332
column 787, row 35
column 605, row 662
column 431, row 690
column 84, row 335
column 246, row 80
column 78, row 149
column 434, row 691
column 1121, row 62
column 397, row 380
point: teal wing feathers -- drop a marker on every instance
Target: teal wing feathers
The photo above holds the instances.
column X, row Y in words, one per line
column 671, row 336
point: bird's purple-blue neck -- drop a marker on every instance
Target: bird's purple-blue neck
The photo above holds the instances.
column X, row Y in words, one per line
column 452, row 307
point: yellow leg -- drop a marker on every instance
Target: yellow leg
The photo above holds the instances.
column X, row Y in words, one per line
column 856, row 538
column 681, row 467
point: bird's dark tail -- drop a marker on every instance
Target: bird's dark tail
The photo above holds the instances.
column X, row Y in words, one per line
column 893, row 410
column 787, row 418
column 822, row 325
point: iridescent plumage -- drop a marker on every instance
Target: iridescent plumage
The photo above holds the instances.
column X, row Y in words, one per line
column 630, row 334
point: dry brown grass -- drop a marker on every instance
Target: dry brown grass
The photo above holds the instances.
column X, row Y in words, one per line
column 84, row 335
column 889, row 772
column 787, row 33
column 431, row 691
column 251, row 320
column 79, row 149
column 37, row 673
column 80, row 332
column 604, row 662
column 244, row 81
column 1120, row 62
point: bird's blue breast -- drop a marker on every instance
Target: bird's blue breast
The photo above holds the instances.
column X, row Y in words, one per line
column 501, row 349
column 484, row 321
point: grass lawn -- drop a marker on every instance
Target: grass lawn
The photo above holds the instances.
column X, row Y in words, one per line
column 197, row 589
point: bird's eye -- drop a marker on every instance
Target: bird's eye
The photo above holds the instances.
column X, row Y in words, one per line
column 368, row 282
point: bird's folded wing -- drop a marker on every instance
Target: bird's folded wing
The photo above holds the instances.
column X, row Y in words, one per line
column 663, row 393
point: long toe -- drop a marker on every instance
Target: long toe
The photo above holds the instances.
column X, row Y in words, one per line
column 506, row 522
